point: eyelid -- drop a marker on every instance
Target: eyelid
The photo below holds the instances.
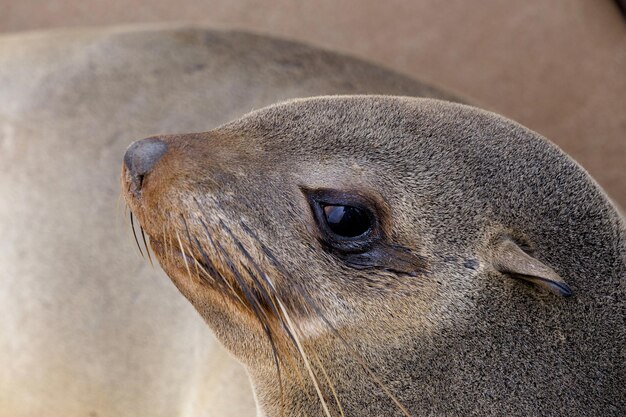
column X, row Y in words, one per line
column 332, row 197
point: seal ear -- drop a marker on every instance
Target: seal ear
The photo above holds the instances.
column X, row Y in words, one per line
column 510, row 259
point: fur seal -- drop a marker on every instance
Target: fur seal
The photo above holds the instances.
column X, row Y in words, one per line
column 87, row 328
column 379, row 256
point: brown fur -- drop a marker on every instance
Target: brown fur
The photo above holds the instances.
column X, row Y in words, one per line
column 486, row 214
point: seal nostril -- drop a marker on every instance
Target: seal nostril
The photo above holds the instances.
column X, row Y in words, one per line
column 140, row 158
column 139, row 181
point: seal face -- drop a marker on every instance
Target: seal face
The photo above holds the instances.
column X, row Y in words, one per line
column 373, row 255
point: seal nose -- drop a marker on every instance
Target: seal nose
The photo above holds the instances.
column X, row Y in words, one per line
column 140, row 158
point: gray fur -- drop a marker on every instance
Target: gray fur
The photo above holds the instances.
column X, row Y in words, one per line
column 459, row 338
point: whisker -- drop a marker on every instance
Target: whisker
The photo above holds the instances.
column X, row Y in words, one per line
column 254, row 277
column 252, row 300
column 265, row 294
column 291, row 330
column 279, row 374
column 248, row 294
column 247, row 291
column 262, row 288
column 208, row 268
column 259, row 314
column 313, row 305
column 182, row 250
column 213, row 245
column 190, row 244
column 328, row 381
column 164, row 242
column 171, row 246
column 216, row 275
column 305, row 358
column 132, row 226
column 268, row 292
column 143, row 236
column 359, row 359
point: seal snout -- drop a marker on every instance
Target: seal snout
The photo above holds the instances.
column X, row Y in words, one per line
column 140, row 158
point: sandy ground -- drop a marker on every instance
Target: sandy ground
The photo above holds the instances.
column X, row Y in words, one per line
column 556, row 66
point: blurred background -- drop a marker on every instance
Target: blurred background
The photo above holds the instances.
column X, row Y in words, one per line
column 557, row 67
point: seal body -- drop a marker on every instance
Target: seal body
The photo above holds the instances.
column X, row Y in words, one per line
column 86, row 328
column 376, row 255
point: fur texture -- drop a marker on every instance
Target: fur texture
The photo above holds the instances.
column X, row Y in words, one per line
column 229, row 219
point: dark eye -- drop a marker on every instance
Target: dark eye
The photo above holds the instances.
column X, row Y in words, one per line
column 347, row 221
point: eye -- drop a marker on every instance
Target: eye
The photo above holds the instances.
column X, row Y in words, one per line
column 347, row 221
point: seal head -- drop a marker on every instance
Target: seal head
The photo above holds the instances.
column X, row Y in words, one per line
column 372, row 255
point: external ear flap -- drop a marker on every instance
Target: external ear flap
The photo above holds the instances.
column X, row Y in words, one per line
column 510, row 259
